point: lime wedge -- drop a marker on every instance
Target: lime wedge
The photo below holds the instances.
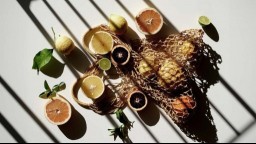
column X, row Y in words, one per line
column 204, row 21
column 105, row 64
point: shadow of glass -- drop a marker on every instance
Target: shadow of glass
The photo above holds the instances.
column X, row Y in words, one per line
column 53, row 69
column 76, row 127
column 78, row 60
column 201, row 126
column 150, row 115
column 212, row 32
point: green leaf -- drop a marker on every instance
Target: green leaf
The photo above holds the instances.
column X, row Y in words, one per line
column 52, row 94
column 46, row 86
column 59, row 87
column 42, row 58
column 56, row 88
column 62, row 86
column 44, row 95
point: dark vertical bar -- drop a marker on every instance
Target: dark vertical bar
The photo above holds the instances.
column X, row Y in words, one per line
column 177, row 132
column 66, row 28
column 248, row 127
column 11, row 129
column 78, row 14
column 29, row 112
column 99, row 9
column 25, row 5
column 224, row 118
column 236, row 95
column 125, row 9
column 150, row 133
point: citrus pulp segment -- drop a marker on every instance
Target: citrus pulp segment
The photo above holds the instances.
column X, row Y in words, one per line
column 101, row 43
column 149, row 21
column 204, row 20
column 105, row 64
column 58, row 111
column 93, row 87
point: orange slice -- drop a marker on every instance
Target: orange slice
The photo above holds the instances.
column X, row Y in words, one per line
column 58, row 110
column 149, row 21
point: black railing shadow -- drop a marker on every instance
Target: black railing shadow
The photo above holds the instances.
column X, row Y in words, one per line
column 28, row 111
column 12, row 131
column 25, row 5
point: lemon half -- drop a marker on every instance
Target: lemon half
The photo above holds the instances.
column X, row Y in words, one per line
column 93, row 87
column 101, row 43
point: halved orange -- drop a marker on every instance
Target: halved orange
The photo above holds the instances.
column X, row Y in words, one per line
column 58, row 110
column 149, row 21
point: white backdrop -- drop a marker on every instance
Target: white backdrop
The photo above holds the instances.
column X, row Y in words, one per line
column 24, row 31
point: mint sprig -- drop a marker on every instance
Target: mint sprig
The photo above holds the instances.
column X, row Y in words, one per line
column 50, row 93
column 122, row 130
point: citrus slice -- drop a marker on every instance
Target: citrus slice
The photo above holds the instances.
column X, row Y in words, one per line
column 149, row 21
column 101, row 43
column 58, row 111
column 105, row 64
column 204, row 20
column 137, row 100
column 120, row 55
column 93, row 87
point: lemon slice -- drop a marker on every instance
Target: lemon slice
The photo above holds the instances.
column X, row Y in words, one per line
column 105, row 64
column 93, row 87
column 101, row 43
column 204, row 20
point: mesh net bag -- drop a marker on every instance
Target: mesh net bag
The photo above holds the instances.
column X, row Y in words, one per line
column 185, row 47
column 160, row 69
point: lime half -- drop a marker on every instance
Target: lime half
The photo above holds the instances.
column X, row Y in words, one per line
column 204, row 20
column 105, row 64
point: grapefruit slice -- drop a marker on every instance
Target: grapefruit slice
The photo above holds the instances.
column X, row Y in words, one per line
column 101, row 43
column 149, row 21
column 58, row 111
column 93, row 87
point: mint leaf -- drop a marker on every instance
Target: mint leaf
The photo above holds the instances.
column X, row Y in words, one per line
column 59, row 87
column 50, row 93
column 120, row 115
column 46, row 86
column 42, row 58
column 44, row 95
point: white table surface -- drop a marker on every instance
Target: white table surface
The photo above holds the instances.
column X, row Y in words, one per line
column 21, row 38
